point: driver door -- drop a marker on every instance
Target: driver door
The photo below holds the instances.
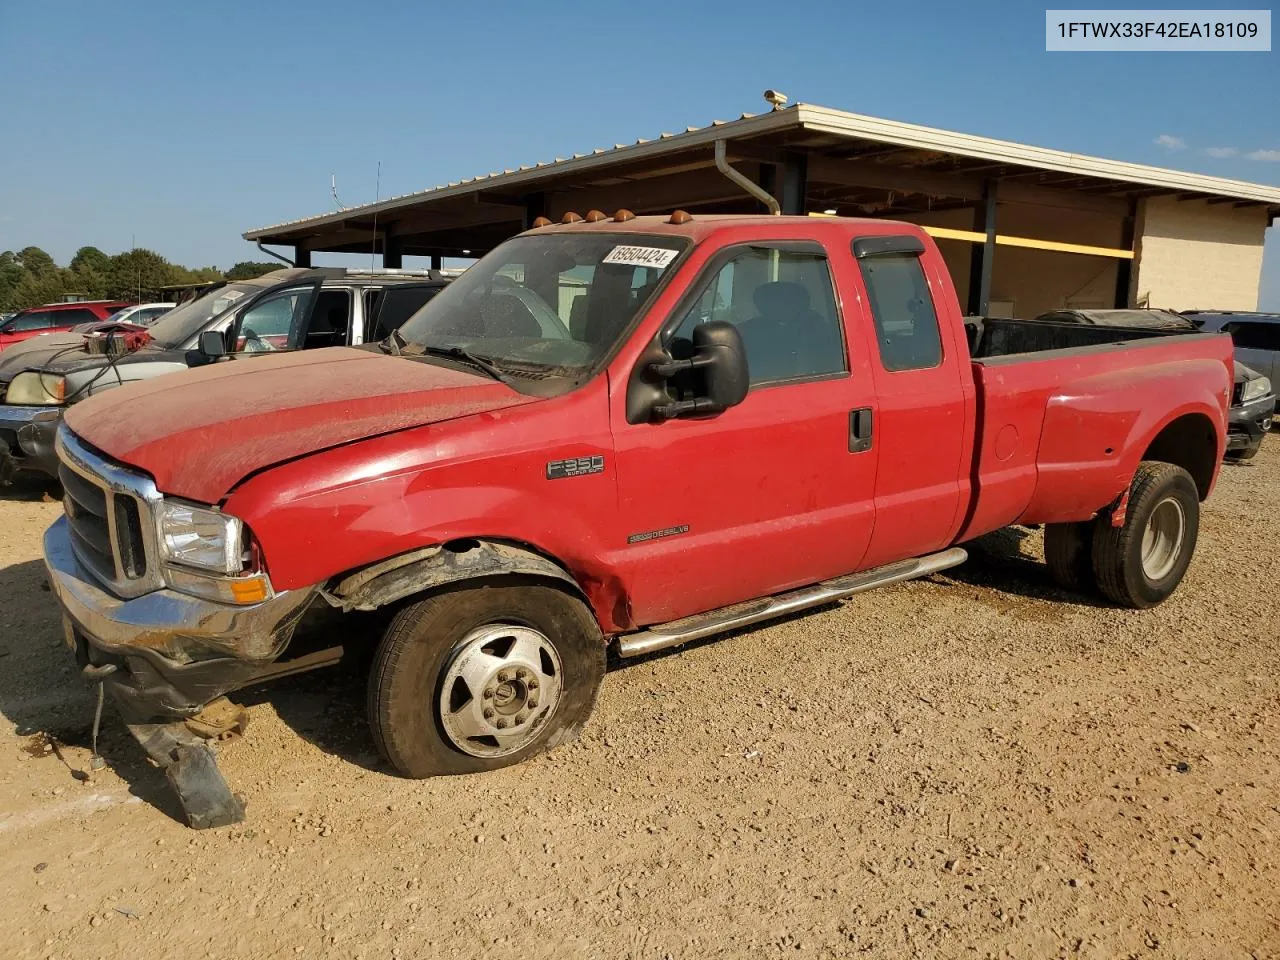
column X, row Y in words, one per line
column 278, row 320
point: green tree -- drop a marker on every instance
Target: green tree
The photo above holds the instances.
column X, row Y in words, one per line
column 36, row 262
column 90, row 260
column 138, row 273
column 248, row 269
column 91, row 268
column 11, row 274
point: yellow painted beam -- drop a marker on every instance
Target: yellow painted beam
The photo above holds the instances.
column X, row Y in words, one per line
column 1115, row 252
column 1004, row 240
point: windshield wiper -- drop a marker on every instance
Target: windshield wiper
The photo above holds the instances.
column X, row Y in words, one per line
column 466, row 356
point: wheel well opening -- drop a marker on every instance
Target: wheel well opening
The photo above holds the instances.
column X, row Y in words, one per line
column 1189, row 442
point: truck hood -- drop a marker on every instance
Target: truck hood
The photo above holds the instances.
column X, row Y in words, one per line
column 199, row 433
column 33, row 353
column 65, row 353
column 1244, row 373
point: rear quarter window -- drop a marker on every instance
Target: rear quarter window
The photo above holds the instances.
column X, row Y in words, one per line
column 394, row 307
column 902, row 309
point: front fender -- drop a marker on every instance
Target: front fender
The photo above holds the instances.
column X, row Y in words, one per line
column 482, row 478
column 431, row 567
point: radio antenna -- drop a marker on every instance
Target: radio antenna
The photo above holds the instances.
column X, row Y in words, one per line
column 373, row 244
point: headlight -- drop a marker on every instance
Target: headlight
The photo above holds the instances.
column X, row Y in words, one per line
column 199, row 537
column 1253, row 389
column 35, row 389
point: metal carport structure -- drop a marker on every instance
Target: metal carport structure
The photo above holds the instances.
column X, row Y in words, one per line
column 976, row 194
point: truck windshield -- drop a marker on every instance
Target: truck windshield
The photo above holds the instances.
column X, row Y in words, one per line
column 554, row 304
column 181, row 324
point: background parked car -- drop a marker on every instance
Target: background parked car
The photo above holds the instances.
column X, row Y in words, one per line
column 1256, row 336
column 143, row 314
column 55, row 318
column 1253, row 403
column 293, row 309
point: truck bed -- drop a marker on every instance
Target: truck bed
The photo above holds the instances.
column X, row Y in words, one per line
column 994, row 337
column 1065, row 412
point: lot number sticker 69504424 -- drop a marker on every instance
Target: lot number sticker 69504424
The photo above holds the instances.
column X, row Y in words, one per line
column 641, row 256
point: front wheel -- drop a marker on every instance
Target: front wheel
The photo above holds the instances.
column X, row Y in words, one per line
column 1141, row 563
column 481, row 677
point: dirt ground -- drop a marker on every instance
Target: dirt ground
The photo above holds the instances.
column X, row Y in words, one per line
column 974, row 765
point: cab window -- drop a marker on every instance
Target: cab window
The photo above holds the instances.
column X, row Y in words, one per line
column 783, row 303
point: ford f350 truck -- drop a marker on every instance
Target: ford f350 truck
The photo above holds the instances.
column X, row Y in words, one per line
column 615, row 431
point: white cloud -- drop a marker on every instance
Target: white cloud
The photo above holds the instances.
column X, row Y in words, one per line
column 1170, row 142
column 1270, row 156
column 1221, row 153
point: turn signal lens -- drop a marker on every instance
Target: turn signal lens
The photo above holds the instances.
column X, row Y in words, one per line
column 249, row 590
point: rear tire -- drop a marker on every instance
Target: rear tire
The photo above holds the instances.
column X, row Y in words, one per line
column 1068, row 549
column 481, row 677
column 1141, row 563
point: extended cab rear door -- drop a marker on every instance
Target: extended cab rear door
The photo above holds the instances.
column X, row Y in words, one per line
column 772, row 493
column 393, row 305
column 912, row 332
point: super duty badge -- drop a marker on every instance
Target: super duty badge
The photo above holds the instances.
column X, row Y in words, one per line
column 575, row 467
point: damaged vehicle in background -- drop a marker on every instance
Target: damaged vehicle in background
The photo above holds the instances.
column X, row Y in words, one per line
column 626, row 432
column 292, row 309
column 54, row 318
column 1253, row 402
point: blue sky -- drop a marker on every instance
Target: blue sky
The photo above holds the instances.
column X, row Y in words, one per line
column 182, row 125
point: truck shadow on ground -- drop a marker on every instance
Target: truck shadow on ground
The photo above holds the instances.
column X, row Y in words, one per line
column 999, row 564
column 28, row 488
column 43, row 697
column 48, row 706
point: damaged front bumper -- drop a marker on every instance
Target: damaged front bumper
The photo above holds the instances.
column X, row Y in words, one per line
column 165, row 644
column 169, row 654
column 26, row 440
column 1247, row 425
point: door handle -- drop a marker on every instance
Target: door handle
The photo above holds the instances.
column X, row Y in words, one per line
column 860, row 422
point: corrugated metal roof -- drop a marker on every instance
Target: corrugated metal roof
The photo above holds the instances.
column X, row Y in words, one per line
column 822, row 120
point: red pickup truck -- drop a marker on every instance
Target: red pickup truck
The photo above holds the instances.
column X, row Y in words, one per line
column 615, row 431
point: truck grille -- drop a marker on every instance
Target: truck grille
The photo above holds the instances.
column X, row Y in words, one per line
column 108, row 510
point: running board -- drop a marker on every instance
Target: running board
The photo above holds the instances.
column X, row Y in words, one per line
column 768, row 608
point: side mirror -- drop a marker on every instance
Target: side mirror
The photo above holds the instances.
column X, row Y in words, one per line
column 719, row 352
column 719, row 368
column 212, row 344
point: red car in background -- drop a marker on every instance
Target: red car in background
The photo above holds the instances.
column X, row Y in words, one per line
column 55, row 318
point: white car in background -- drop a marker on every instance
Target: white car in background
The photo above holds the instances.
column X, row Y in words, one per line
column 143, row 314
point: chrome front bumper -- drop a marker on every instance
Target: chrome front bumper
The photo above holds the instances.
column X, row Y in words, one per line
column 176, row 652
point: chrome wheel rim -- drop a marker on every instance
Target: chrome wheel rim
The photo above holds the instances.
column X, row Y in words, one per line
column 499, row 690
column 1162, row 539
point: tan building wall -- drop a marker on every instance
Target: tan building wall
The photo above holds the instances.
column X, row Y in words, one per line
column 1027, row 282
column 1193, row 254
